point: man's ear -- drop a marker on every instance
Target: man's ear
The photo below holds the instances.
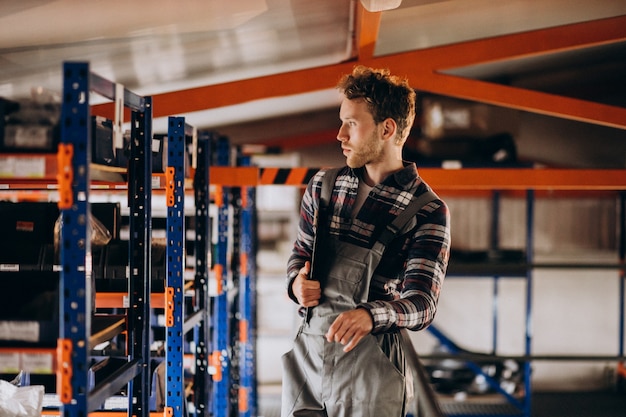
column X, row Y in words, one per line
column 390, row 128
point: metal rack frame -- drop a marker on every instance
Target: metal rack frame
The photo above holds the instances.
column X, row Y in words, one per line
column 514, row 406
column 202, row 382
column 76, row 290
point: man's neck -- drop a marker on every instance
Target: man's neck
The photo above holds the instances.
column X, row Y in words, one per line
column 375, row 174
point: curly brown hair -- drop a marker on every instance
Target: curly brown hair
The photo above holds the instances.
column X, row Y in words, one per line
column 387, row 96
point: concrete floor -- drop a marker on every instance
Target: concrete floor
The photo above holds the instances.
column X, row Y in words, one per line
column 548, row 404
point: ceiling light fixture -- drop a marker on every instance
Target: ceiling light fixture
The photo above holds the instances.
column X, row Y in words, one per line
column 380, row 5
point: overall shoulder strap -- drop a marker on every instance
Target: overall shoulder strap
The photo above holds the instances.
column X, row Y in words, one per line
column 328, row 181
column 407, row 214
column 319, row 217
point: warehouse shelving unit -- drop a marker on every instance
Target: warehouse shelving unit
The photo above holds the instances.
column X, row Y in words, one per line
column 77, row 392
column 233, row 299
column 514, row 404
column 76, row 291
column 79, row 329
column 519, row 404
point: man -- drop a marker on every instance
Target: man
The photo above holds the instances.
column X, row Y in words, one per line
column 348, row 359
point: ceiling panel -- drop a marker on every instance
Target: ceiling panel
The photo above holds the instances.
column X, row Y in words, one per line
column 162, row 46
column 167, row 45
column 421, row 24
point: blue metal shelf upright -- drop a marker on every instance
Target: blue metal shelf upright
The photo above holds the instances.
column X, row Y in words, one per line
column 175, row 255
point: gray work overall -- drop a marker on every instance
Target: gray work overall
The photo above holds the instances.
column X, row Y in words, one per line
column 372, row 380
column 319, row 378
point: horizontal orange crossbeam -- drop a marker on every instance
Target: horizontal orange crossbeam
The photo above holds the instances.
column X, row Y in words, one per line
column 101, row 413
column 450, row 179
column 120, row 300
column 456, row 179
column 524, row 179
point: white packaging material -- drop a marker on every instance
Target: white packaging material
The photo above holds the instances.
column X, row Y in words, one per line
column 20, row 401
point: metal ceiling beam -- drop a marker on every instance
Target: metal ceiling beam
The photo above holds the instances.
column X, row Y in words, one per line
column 526, row 100
column 367, row 26
column 422, row 67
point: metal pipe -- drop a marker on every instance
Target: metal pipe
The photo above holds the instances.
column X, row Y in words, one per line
column 426, row 402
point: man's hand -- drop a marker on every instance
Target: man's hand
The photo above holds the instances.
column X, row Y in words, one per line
column 350, row 327
column 307, row 291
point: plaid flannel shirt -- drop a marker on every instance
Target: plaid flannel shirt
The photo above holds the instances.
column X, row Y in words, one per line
column 412, row 269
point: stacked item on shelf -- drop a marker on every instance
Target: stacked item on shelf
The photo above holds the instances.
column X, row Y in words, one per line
column 29, row 125
column 29, row 270
column 106, row 150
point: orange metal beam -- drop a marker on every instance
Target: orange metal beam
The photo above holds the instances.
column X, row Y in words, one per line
column 526, row 100
column 524, row 179
column 102, row 413
column 367, row 27
column 241, row 91
column 119, row 300
column 526, row 44
column 465, row 179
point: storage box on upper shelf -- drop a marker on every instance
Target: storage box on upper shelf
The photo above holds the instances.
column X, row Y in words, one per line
column 28, row 125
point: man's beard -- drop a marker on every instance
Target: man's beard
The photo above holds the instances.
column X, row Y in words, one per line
column 369, row 152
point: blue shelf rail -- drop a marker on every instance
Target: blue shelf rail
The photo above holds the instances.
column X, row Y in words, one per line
column 76, row 289
column 175, row 266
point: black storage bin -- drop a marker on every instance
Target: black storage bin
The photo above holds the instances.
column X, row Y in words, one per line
column 28, row 222
column 29, row 308
column 115, row 265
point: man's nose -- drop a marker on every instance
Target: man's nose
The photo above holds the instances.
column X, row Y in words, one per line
column 341, row 136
